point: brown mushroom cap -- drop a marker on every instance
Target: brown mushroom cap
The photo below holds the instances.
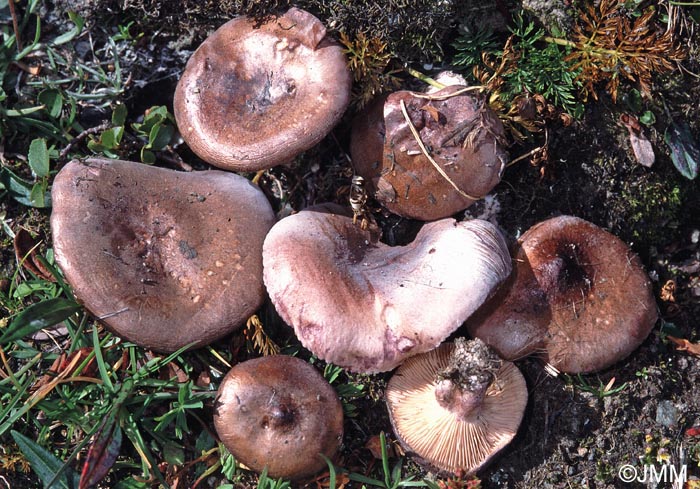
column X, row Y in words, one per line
column 163, row 258
column 460, row 132
column 456, row 417
column 366, row 306
column 578, row 296
column 279, row 412
column 254, row 96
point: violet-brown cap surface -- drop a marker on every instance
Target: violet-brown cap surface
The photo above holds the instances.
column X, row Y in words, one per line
column 578, row 297
column 163, row 258
column 461, row 160
column 254, row 96
column 279, row 412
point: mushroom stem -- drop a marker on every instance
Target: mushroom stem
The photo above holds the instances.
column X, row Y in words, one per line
column 462, row 385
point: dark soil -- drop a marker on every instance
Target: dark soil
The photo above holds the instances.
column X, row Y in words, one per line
column 578, row 431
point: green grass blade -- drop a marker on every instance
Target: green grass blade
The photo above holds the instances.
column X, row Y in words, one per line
column 331, row 472
column 45, row 464
column 101, row 366
column 39, row 316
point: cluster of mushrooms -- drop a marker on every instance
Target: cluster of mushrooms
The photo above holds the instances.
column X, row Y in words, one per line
column 167, row 259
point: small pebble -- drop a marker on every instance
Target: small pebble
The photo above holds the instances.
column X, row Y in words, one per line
column 667, row 414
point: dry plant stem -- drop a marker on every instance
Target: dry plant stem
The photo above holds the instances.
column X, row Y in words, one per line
column 444, row 175
column 258, row 176
column 15, row 25
column 532, row 152
column 461, row 91
column 81, row 137
column 170, row 156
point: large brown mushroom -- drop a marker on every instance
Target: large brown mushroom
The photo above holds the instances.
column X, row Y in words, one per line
column 279, row 413
column 366, row 306
column 428, row 156
column 253, row 95
column 578, row 296
column 163, row 258
column 455, row 407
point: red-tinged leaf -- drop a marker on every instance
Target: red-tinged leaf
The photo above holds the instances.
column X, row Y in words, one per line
column 25, row 252
column 102, row 453
column 685, row 345
column 641, row 146
column 63, row 362
column 694, row 431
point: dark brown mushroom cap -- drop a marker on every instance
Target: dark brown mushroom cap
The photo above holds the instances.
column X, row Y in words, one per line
column 163, row 258
column 254, row 96
column 441, row 437
column 460, row 132
column 578, row 296
column 367, row 306
column 279, row 412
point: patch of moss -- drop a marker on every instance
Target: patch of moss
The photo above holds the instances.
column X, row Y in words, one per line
column 650, row 207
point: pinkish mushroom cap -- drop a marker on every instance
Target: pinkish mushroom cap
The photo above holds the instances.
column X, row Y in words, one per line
column 163, row 258
column 279, row 413
column 255, row 96
column 578, row 296
column 428, row 156
column 366, row 306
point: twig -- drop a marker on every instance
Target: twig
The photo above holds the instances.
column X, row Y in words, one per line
column 531, row 153
column 15, row 25
column 430, row 158
column 169, row 155
column 81, row 137
column 430, row 96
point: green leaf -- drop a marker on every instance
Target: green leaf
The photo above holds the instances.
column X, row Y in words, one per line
column 647, row 118
column 173, row 453
column 39, row 157
column 45, row 464
column 78, row 22
column 147, row 156
column 38, row 194
column 21, row 190
column 684, row 152
column 119, row 115
column 160, row 136
column 38, row 316
column 53, row 100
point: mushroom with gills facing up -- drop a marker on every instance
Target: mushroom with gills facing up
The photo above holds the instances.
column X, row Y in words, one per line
column 278, row 412
column 367, row 306
column 455, row 407
column 253, row 95
column 578, row 297
column 163, row 258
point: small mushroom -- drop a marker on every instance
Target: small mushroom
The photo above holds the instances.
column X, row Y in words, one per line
column 163, row 258
column 253, row 95
column 578, row 296
column 428, row 156
column 366, row 306
column 279, row 413
column 455, row 407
